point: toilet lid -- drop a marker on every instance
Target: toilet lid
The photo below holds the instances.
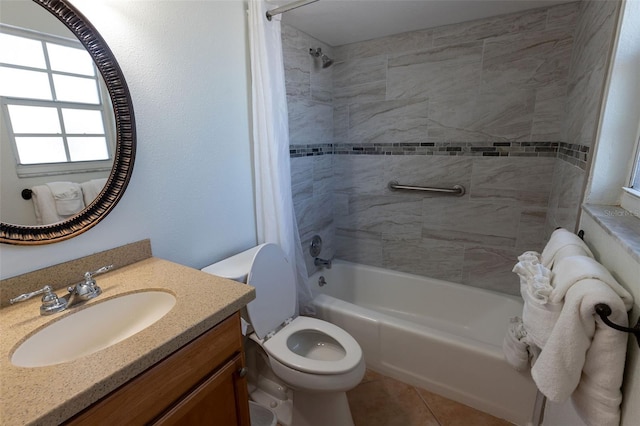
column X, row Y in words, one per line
column 272, row 276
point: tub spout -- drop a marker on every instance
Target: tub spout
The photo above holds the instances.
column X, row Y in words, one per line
column 323, row 263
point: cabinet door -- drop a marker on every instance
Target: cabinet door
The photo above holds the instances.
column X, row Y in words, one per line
column 221, row 400
column 149, row 395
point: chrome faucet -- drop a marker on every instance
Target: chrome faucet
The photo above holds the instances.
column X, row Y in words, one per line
column 323, row 263
column 87, row 289
column 51, row 303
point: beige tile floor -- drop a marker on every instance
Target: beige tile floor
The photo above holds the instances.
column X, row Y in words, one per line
column 382, row 401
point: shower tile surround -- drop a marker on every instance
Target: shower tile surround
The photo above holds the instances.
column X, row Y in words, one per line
column 593, row 39
column 496, row 105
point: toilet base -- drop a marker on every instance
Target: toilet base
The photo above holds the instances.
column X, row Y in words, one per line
column 321, row 409
column 282, row 408
column 294, row 406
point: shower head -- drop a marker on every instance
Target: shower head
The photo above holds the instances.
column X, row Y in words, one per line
column 317, row 53
column 326, row 61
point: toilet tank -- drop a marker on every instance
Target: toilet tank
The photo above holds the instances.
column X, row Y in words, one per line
column 236, row 267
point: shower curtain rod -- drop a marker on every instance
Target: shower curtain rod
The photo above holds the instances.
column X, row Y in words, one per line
column 288, row 7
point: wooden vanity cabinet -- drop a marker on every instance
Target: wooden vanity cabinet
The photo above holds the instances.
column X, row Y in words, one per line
column 200, row 384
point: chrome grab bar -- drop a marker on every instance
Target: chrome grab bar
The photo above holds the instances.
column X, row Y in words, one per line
column 456, row 190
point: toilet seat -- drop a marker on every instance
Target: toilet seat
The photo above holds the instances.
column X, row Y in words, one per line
column 277, row 347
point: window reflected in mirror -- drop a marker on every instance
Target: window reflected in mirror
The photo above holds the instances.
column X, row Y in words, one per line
column 52, row 99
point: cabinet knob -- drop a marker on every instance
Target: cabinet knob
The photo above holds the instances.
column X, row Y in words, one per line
column 243, row 371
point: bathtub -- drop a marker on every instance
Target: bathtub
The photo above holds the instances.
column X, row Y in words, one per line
column 437, row 335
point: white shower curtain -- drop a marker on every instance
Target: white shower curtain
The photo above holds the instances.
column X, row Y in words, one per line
column 275, row 216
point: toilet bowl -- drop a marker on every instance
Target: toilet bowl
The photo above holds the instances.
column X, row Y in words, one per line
column 317, row 360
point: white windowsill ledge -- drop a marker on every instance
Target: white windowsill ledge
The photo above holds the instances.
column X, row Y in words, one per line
column 621, row 224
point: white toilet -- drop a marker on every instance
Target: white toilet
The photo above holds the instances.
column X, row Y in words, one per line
column 316, row 360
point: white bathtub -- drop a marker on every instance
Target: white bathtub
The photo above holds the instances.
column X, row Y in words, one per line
column 440, row 336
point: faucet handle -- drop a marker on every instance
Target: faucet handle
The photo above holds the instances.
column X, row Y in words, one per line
column 88, row 276
column 50, row 301
column 27, row 296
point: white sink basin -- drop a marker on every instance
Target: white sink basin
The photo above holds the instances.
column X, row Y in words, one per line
column 92, row 329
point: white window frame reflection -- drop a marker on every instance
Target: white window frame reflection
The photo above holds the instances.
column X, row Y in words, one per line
column 634, row 182
column 69, row 166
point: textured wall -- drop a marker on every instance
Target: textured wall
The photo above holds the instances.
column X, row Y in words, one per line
column 191, row 190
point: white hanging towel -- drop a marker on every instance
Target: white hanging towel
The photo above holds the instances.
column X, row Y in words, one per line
column 563, row 243
column 91, row 189
column 572, row 269
column 584, row 356
column 44, row 205
column 67, row 196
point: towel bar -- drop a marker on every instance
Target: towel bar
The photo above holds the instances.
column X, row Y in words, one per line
column 604, row 311
column 456, row 190
column 26, row 194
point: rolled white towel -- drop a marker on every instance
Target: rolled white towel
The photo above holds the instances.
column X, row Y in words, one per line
column 515, row 345
column 530, row 256
column 563, row 243
column 540, row 285
column 539, row 319
column 535, row 278
column 524, row 272
column 526, row 266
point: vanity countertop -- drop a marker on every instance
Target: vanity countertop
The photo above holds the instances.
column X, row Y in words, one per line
column 52, row 394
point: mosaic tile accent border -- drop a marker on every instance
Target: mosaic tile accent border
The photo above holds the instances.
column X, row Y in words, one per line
column 310, row 150
column 485, row 149
column 574, row 154
column 571, row 153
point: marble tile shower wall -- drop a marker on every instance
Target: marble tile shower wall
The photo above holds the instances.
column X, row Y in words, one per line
column 310, row 103
column 472, row 239
column 593, row 40
column 481, row 103
column 501, row 79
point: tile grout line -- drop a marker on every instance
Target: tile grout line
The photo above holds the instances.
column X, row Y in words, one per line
column 426, row 404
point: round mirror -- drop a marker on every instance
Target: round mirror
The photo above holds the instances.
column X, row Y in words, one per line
column 71, row 149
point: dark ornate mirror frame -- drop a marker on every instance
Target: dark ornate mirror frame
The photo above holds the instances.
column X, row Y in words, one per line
column 125, row 138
